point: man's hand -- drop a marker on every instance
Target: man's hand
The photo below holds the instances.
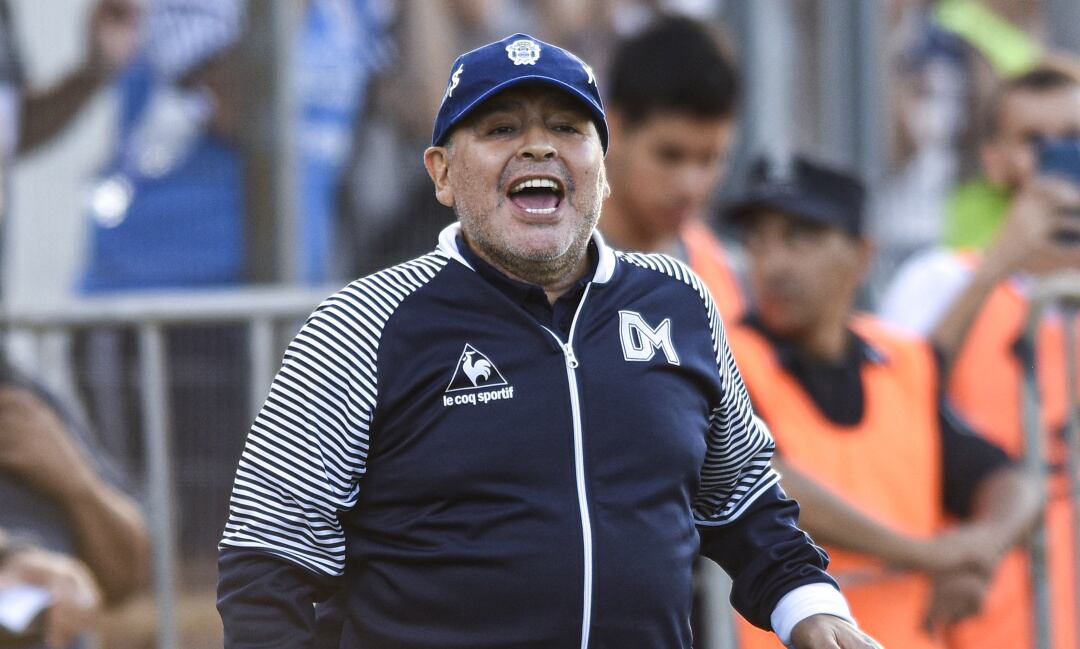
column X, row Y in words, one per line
column 1026, row 239
column 76, row 600
column 956, row 595
column 829, row 632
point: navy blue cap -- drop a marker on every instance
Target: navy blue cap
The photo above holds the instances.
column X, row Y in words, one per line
column 514, row 60
column 803, row 189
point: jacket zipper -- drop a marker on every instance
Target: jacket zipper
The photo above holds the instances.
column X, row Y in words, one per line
column 579, row 466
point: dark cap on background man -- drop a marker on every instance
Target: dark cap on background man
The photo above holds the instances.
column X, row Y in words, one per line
column 804, row 189
column 515, row 60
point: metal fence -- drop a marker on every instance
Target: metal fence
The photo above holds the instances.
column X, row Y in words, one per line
column 267, row 317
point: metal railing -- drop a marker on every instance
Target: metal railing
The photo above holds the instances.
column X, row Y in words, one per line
column 1061, row 292
column 262, row 310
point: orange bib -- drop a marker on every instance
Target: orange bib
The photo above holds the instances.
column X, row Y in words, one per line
column 888, row 466
column 986, row 387
column 706, row 257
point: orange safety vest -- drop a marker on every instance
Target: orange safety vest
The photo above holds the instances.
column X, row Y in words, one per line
column 888, row 466
column 985, row 386
column 706, row 257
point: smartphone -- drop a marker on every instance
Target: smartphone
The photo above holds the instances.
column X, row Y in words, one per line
column 1061, row 157
column 22, row 614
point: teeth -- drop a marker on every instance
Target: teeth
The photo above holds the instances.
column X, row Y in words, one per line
column 540, row 210
column 535, row 183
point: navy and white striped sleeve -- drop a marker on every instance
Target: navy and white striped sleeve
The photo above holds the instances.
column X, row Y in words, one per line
column 308, row 447
column 737, row 469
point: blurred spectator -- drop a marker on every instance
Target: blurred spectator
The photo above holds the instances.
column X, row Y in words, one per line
column 875, row 458
column 972, row 304
column 46, row 596
column 671, row 110
column 169, row 210
column 111, row 45
column 29, row 117
column 342, row 44
column 932, row 108
column 62, row 495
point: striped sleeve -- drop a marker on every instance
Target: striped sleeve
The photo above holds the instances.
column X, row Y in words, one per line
column 307, row 450
column 739, row 448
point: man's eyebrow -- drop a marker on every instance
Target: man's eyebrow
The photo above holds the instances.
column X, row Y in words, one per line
column 497, row 105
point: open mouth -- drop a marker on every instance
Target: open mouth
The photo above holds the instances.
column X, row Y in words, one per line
column 537, row 195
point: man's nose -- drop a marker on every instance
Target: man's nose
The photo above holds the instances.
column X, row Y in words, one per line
column 537, row 144
column 692, row 180
column 773, row 258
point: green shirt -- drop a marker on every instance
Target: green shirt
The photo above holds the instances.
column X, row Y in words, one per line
column 973, row 215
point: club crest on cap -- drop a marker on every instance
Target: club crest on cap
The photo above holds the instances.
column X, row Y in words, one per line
column 523, row 52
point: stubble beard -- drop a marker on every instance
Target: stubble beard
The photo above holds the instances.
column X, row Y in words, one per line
column 543, row 269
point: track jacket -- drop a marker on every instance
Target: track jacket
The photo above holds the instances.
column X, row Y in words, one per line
column 463, row 474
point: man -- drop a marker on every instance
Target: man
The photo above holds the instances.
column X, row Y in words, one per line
column 876, row 460
column 60, row 495
column 973, row 304
column 671, row 111
column 518, row 439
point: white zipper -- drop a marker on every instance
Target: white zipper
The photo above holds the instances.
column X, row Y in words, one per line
column 579, row 467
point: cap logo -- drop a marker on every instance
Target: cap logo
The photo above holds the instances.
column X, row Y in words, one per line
column 455, row 79
column 780, row 174
column 523, row 52
column 588, row 70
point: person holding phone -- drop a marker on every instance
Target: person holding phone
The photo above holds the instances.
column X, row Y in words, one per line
column 972, row 303
column 46, row 596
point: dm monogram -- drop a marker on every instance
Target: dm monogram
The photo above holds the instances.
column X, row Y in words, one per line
column 640, row 342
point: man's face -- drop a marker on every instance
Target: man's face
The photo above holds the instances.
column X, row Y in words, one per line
column 1024, row 118
column 525, row 175
column 801, row 273
column 664, row 170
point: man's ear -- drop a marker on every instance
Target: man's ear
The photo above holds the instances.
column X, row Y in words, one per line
column 437, row 163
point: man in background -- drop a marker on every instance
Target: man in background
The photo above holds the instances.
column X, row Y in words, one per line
column 61, row 493
column 972, row 300
column 671, row 107
column 865, row 444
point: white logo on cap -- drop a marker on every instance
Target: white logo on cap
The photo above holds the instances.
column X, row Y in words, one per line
column 455, row 79
column 523, row 52
column 780, row 173
column 588, row 71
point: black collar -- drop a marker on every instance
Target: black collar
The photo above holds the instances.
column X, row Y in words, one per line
column 532, row 298
column 518, row 291
column 835, row 388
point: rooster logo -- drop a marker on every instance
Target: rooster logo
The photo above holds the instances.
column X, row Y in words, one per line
column 474, row 370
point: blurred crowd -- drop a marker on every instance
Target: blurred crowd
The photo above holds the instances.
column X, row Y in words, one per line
column 974, row 209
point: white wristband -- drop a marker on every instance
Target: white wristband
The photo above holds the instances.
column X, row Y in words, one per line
column 804, row 601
